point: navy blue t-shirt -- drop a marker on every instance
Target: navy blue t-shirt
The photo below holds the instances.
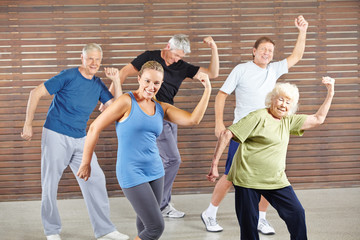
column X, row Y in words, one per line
column 174, row 74
column 74, row 100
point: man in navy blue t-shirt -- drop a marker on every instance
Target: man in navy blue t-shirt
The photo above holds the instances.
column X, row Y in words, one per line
column 76, row 93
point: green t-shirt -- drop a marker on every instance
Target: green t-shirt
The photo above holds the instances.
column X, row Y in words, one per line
column 259, row 162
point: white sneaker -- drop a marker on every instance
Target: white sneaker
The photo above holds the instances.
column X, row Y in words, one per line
column 265, row 228
column 171, row 212
column 115, row 235
column 53, row 237
column 210, row 223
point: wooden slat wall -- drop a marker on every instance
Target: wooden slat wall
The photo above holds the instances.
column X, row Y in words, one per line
column 40, row 38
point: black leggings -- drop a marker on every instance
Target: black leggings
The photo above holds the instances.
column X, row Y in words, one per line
column 145, row 199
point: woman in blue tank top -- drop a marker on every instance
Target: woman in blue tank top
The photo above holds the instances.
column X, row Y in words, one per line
column 139, row 168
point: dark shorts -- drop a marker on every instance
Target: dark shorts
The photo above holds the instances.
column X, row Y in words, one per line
column 233, row 146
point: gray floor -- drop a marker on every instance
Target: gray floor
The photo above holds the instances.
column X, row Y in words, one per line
column 331, row 214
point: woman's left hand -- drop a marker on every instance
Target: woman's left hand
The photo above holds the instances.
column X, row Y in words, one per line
column 213, row 174
column 329, row 83
column 112, row 73
column 204, row 79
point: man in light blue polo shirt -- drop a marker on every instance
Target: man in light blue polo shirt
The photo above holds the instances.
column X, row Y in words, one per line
column 76, row 93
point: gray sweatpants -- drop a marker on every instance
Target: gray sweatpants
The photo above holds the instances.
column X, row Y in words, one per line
column 57, row 152
column 145, row 199
column 169, row 153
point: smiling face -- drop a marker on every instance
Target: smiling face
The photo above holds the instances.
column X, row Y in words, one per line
column 280, row 106
column 91, row 62
column 150, row 82
column 263, row 54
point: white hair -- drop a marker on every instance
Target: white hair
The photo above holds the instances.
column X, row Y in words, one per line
column 287, row 90
column 180, row 42
column 91, row 47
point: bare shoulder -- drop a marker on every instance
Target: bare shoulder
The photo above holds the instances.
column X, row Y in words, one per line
column 124, row 100
column 165, row 106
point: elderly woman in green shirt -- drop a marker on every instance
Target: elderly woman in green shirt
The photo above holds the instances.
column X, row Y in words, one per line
column 259, row 164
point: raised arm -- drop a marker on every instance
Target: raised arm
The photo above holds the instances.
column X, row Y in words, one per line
column 185, row 118
column 116, row 91
column 223, row 140
column 114, row 75
column 34, row 97
column 219, row 112
column 319, row 117
column 214, row 66
column 113, row 113
column 299, row 48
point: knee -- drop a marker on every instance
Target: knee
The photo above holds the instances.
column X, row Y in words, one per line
column 97, row 176
column 224, row 181
column 177, row 160
column 299, row 211
column 171, row 163
column 49, row 190
column 297, row 214
column 156, row 230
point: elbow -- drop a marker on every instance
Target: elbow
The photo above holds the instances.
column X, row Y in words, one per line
column 300, row 56
column 295, row 58
column 214, row 75
column 93, row 130
column 34, row 93
column 195, row 122
column 226, row 134
column 319, row 121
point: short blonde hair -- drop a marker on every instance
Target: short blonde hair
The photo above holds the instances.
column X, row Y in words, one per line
column 151, row 65
column 287, row 90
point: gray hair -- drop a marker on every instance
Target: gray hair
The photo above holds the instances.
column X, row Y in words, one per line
column 180, row 42
column 90, row 47
column 284, row 89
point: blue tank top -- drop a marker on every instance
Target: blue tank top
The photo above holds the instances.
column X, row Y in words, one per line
column 138, row 158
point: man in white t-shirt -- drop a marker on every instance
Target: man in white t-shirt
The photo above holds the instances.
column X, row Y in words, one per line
column 251, row 82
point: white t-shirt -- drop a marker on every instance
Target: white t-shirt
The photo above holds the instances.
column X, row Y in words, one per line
column 251, row 84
